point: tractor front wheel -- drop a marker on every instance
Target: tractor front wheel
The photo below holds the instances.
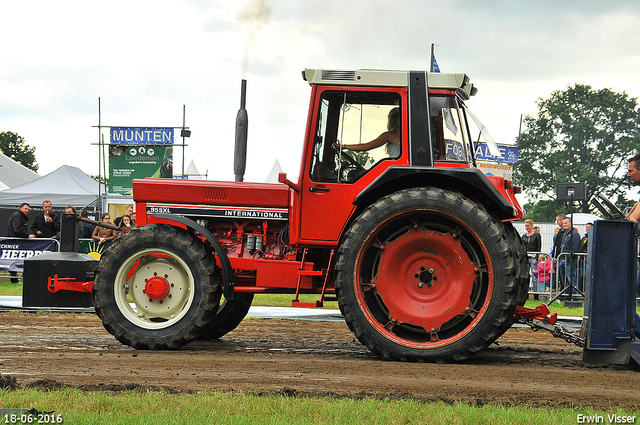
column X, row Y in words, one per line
column 156, row 287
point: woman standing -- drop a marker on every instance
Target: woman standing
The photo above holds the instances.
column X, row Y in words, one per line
column 102, row 234
column 533, row 244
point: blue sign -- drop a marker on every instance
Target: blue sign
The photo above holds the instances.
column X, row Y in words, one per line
column 141, row 136
column 13, row 252
column 508, row 153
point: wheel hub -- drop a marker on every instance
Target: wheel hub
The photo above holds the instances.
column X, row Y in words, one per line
column 425, row 278
column 156, row 288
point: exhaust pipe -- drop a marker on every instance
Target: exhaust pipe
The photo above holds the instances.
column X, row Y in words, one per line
column 242, row 121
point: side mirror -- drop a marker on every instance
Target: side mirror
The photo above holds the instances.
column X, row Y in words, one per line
column 282, row 178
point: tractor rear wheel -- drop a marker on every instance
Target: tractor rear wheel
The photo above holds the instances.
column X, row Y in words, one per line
column 229, row 315
column 156, row 287
column 426, row 275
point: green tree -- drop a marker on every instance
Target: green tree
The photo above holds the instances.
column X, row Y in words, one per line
column 579, row 135
column 15, row 148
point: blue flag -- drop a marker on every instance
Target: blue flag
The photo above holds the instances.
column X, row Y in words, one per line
column 436, row 68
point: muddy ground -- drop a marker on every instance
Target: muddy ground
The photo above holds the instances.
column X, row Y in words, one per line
column 306, row 358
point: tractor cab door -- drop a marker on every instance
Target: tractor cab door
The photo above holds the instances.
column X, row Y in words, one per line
column 333, row 175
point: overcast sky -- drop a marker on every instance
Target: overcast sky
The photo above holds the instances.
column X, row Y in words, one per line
column 146, row 59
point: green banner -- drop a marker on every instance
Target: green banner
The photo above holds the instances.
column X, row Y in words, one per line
column 137, row 162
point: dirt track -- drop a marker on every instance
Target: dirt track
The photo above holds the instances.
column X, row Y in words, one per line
column 306, row 358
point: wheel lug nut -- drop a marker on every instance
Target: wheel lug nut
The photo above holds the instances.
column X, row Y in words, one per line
column 431, row 270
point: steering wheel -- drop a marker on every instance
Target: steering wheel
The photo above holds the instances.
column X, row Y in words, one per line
column 348, row 158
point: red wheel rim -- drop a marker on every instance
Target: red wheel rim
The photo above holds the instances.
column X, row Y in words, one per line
column 425, row 278
column 395, row 275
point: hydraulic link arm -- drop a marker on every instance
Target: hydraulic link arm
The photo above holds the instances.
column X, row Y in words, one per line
column 539, row 318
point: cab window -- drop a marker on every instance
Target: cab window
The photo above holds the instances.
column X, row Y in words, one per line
column 347, row 121
column 449, row 132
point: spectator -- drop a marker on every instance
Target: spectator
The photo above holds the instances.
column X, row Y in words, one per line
column 557, row 239
column 585, row 239
column 17, row 228
column 86, row 229
column 570, row 244
column 533, row 244
column 128, row 212
column 582, row 264
column 102, row 234
column 544, row 274
column 126, row 223
column 47, row 224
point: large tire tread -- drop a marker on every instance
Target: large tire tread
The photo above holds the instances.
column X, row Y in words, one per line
column 504, row 296
column 229, row 316
column 207, row 287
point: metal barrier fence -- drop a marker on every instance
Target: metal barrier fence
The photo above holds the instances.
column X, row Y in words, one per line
column 563, row 271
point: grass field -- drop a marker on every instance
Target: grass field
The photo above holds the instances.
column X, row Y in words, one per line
column 138, row 407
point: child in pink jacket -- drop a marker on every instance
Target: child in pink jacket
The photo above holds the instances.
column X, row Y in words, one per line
column 544, row 272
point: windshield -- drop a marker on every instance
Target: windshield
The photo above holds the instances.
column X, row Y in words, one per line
column 493, row 147
column 449, row 130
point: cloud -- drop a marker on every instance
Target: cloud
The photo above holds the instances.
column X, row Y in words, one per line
column 147, row 59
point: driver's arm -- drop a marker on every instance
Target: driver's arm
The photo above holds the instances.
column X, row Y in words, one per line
column 375, row 143
column 634, row 214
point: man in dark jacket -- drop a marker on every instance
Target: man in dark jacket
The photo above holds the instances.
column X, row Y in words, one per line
column 17, row 228
column 47, row 224
column 567, row 269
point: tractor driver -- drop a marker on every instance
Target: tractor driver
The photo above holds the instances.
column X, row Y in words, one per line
column 391, row 137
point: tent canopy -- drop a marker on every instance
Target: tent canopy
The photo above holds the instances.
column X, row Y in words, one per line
column 65, row 186
column 14, row 174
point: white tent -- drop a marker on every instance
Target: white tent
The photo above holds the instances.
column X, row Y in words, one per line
column 192, row 172
column 64, row 186
column 273, row 174
column 584, row 218
column 14, row 174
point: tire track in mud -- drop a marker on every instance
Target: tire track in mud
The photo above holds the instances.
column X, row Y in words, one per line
column 300, row 358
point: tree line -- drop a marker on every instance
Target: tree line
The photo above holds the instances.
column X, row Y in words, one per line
column 579, row 135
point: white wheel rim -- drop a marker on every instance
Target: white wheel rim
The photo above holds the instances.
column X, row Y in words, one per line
column 150, row 313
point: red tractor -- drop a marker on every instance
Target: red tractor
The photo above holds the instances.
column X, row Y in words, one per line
column 414, row 242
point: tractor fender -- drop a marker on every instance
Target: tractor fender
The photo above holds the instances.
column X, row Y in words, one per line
column 470, row 182
column 225, row 264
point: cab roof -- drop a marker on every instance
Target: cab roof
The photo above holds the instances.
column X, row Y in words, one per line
column 389, row 78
